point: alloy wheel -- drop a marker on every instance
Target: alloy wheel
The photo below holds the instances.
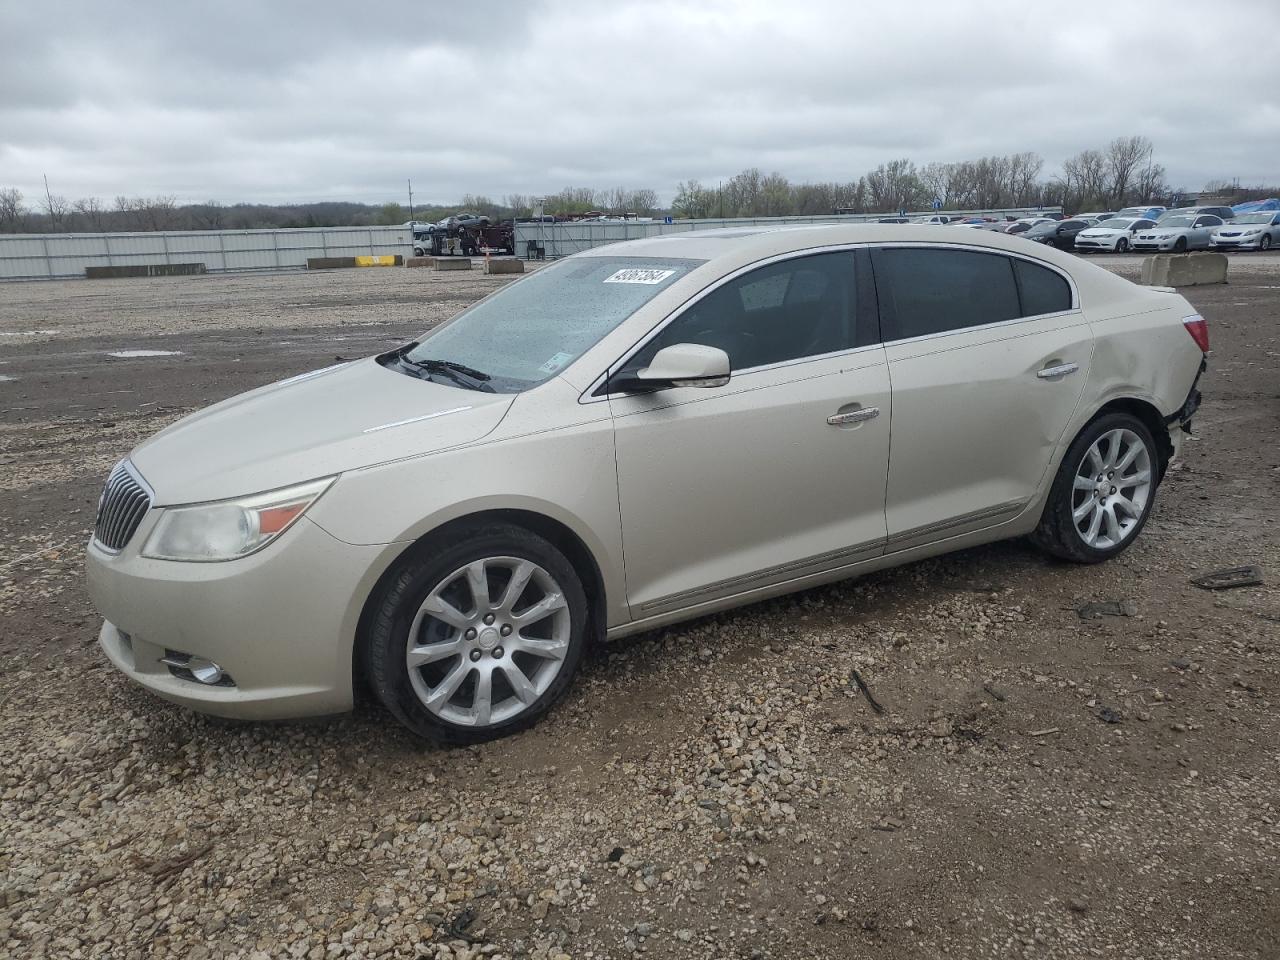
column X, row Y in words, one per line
column 1111, row 489
column 488, row 641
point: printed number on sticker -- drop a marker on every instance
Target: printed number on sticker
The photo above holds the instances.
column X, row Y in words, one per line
column 639, row 276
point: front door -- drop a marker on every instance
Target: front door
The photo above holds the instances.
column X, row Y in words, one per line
column 778, row 474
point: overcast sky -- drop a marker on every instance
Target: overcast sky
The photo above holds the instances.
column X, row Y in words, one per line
column 293, row 101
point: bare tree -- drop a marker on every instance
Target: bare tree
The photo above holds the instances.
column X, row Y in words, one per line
column 895, row 185
column 91, row 212
column 12, row 212
column 55, row 207
column 693, row 200
column 1126, row 156
column 1086, row 179
column 775, row 198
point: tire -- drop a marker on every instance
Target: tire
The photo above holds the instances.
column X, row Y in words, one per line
column 1180, row 246
column 474, row 639
column 1265, row 242
column 1060, row 533
column 1122, row 245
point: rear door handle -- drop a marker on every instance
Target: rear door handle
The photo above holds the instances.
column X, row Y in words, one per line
column 853, row 416
column 1060, row 370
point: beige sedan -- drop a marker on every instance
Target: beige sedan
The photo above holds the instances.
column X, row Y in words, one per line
column 633, row 436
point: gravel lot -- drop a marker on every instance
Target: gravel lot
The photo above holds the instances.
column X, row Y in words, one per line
column 1039, row 784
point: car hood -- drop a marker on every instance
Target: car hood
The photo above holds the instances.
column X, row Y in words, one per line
column 1101, row 232
column 321, row 423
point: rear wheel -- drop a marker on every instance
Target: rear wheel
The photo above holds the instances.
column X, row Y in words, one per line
column 477, row 635
column 1103, row 492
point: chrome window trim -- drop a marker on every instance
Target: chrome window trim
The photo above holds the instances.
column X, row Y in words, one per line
column 587, row 395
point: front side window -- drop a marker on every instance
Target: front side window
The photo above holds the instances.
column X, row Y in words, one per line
column 928, row 291
column 796, row 308
column 529, row 331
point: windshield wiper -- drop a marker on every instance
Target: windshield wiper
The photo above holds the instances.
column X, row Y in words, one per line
column 459, row 373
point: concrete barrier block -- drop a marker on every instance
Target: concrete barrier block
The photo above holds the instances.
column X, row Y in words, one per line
column 380, row 260
column 506, row 265
column 145, row 270
column 453, row 263
column 420, row 262
column 1184, row 269
column 330, row 263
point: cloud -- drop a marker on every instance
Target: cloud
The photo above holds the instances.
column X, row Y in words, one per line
column 314, row 100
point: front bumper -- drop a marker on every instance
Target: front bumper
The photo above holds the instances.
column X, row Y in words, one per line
column 280, row 622
column 1139, row 244
column 1235, row 243
column 1094, row 243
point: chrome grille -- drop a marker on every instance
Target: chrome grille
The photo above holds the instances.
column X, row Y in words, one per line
column 125, row 501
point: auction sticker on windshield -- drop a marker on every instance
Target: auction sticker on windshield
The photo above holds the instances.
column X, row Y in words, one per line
column 635, row 275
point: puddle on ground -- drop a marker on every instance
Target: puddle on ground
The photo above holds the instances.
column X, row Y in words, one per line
column 4, row 379
column 28, row 333
column 130, row 354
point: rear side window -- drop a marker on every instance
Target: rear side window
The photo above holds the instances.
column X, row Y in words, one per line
column 1042, row 290
column 935, row 291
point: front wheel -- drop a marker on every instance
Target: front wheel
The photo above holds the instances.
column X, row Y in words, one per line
column 476, row 635
column 1265, row 242
column 1180, row 246
column 1103, row 493
column 1122, row 245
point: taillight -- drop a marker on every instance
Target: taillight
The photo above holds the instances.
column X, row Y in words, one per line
column 1199, row 331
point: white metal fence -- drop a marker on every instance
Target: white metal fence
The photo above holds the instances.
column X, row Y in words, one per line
column 555, row 240
column 54, row 255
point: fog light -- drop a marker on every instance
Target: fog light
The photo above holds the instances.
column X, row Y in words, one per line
column 205, row 671
column 185, row 666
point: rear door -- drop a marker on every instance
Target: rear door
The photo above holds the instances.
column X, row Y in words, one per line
column 988, row 355
column 776, row 475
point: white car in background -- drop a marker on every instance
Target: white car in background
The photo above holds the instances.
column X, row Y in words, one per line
column 444, row 525
column 1178, row 232
column 1113, row 236
column 1248, row 231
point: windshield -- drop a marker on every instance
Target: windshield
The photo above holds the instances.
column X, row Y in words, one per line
column 1175, row 221
column 530, row 330
column 1253, row 218
column 1116, row 223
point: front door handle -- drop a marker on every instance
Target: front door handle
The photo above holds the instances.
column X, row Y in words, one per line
column 853, row 416
column 1058, row 370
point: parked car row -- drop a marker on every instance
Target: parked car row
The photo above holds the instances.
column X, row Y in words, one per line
column 1155, row 229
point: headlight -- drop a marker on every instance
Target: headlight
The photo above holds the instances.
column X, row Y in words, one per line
column 230, row 528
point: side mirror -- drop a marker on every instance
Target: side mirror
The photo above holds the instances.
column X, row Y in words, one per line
column 679, row 365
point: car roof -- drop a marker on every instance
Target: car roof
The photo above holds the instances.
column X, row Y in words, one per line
column 758, row 241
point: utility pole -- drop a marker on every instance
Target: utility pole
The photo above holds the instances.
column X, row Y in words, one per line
column 410, row 182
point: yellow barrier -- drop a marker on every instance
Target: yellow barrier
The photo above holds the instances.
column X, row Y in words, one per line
column 384, row 261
